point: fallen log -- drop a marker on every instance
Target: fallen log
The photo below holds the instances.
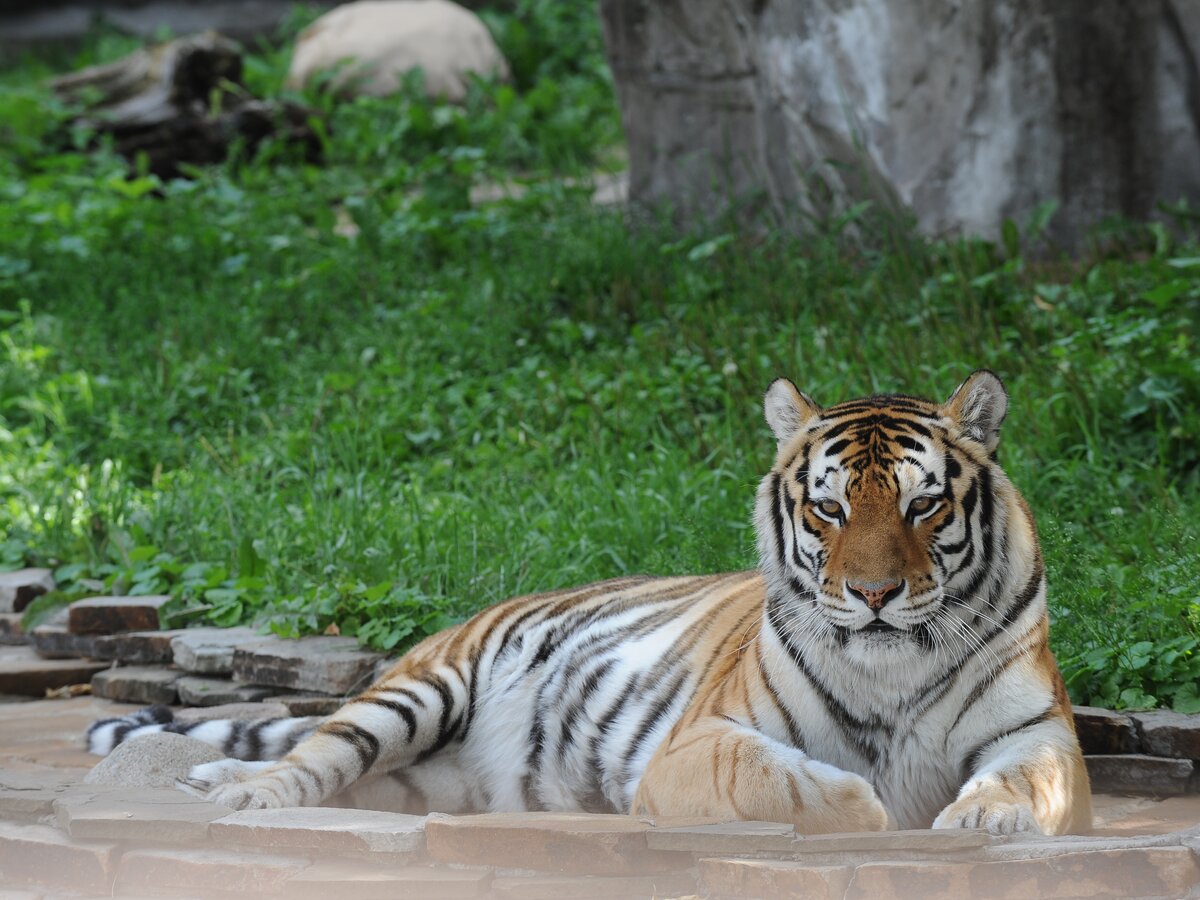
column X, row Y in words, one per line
column 182, row 102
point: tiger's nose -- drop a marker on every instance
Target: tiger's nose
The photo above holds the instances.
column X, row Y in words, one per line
column 876, row 594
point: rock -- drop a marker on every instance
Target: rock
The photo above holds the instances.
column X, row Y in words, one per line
column 146, row 814
column 204, row 872
column 774, row 878
column 579, row 887
column 1135, row 774
column 321, row 829
column 56, row 642
column 209, row 651
column 386, row 39
column 237, row 711
column 566, row 843
column 39, row 853
column 1138, row 872
column 1103, row 731
column 331, row 665
column 966, row 116
column 136, row 647
column 1166, row 733
column 309, row 704
column 346, row 878
column 726, row 837
column 195, row 690
column 136, row 684
column 109, row 615
column 24, row 672
column 152, row 761
column 20, row 588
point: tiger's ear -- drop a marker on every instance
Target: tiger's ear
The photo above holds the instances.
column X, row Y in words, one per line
column 787, row 409
column 978, row 406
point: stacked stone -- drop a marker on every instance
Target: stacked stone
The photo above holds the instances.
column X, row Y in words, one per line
column 1154, row 752
column 118, row 645
column 105, row 839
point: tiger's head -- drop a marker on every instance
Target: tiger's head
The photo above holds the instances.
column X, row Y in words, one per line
column 886, row 522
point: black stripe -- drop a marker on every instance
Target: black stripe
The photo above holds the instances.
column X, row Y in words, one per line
column 971, row 760
column 365, row 744
column 410, row 719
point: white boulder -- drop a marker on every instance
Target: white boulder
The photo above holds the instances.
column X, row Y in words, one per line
column 373, row 44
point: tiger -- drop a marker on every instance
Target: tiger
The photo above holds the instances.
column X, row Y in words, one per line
column 886, row 666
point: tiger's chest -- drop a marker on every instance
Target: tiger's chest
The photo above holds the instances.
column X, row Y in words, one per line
column 913, row 759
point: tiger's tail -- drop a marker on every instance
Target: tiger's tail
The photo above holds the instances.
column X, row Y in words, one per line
column 253, row 740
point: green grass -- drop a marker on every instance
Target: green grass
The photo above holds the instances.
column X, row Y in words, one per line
column 205, row 389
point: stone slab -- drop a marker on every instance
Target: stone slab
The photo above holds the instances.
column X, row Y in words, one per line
column 20, row 588
column 200, row 690
column 154, row 760
column 146, row 814
column 912, row 841
column 109, row 615
column 1166, row 733
column 1136, row 774
column 209, row 651
column 586, row 887
column 726, row 837
column 309, row 704
column 239, row 711
column 322, row 829
column 41, row 854
column 202, row 872
column 1102, row 731
column 23, row 672
column 329, row 665
column 136, row 648
column 137, row 684
column 360, row 881
column 1147, row 872
column 11, row 630
column 53, row 641
column 564, row 843
column 774, row 879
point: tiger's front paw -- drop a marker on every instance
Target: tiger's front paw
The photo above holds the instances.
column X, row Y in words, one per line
column 996, row 817
column 249, row 795
column 857, row 805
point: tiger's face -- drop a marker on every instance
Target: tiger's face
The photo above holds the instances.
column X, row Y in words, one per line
column 877, row 521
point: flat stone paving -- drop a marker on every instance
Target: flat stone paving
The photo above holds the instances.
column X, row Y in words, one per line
column 60, row 837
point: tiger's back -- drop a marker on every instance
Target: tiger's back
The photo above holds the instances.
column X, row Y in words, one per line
column 574, row 690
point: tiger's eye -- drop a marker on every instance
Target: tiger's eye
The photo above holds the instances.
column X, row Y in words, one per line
column 921, row 505
column 831, row 508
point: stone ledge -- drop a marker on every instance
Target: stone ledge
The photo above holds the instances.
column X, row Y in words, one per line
column 157, row 815
column 1159, row 872
column 323, row 829
column 41, row 854
column 203, row 872
column 359, row 882
column 563, row 843
column 771, row 879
